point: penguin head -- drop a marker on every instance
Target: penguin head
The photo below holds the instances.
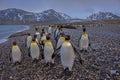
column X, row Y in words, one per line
column 84, row 30
column 28, row 34
column 62, row 34
column 47, row 37
column 43, row 30
column 36, row 29
column 67, row 37
column 35, row 36
column 14, row 43
column 33, row 39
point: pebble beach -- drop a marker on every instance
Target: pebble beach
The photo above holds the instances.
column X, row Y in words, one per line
column 102, row 62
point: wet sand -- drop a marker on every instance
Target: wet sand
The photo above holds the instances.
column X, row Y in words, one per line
column 103, row 63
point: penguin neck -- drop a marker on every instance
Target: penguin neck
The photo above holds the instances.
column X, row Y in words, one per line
column 29, row 36
column 15, row 46
column 67, row 42
column 85, row 34
column 48, row 42
column 37, row 33
column 33, row 43
column 62, row 37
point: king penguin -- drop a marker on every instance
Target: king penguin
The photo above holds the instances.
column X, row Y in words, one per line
column 57, row 33
column 16, row 53
column 34, row 50
column 29, row 39
column 49, row 30
column 61, row 40
column 48, row 50
column 37, row 33
column 43, row 39
column 68, row 55
column 84, row 41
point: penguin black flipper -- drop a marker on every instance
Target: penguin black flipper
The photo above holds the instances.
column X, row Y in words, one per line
column 77, row 54
column 42, row 55
column 55, row 33
column 89, row 41
column 10, row 55
column 56, row 52
column 79, row 41
column 29, row 52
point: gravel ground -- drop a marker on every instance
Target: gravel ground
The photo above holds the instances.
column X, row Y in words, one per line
column 101, row 64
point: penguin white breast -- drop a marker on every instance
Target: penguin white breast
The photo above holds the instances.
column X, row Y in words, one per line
column 67, row 55
column 49, row 30
column 48, row 51
column 16, row 53
column 29, row 39
column 34, row 50
column 84, row 41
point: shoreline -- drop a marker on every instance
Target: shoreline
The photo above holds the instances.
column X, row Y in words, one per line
column 26, row 27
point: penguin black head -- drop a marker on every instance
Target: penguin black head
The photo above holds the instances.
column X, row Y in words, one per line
column 84, row 29
column 28, row 34
column 35, row 36
column 83, row 26
column 48, row 37
column 36, row 29
column 33, row 39
column 43, row 30
column 67, row 37
column 61, row 26
column 62, row 34
column 14, row 43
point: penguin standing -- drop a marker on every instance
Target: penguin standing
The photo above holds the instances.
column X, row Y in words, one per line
column 43, row 39
column 37, row 33
column 29, row 39
column 34, row 50
column 84, row 41
column 57, row 33
column 61, row 40
column 36, row 39
column 68, row 54
column 48, row 50
column 49, row 30
column 16, row 53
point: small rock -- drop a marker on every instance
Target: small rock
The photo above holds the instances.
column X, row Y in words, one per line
column 113, row 71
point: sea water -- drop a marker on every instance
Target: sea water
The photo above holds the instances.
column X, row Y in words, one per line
column 7, row 30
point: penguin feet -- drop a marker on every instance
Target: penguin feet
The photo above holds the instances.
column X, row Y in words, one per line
column 47, row 64
column 17, row 63
column 67, row 72
column 51, row 64
column 35, row 61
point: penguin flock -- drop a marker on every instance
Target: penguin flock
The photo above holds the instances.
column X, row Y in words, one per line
column 40, row 45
